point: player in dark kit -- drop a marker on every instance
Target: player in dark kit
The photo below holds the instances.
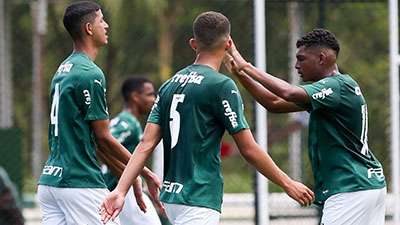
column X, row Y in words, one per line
column 191, row 113
column 349, row 180
column 71, row 185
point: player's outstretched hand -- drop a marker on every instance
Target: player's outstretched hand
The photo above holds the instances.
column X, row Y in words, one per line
column 237, row 57
column 111, row 206
column 232, row 66
column 138, row 191
column 301, row 193
column 154, row 186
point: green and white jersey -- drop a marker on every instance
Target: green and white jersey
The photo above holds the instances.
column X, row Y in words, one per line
column 77, row 97
column 128, row 131
column 338, row 138
column 194, row 108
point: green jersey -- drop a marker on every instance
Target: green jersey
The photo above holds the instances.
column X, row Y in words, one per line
column 77, row 97
column 338, row 138
column 127, row 130
column 193, row 109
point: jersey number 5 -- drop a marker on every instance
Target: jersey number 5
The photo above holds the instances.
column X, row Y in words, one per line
column 175, row 123
column 54, row 109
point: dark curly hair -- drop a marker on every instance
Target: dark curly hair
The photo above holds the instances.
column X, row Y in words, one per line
column 319, row 38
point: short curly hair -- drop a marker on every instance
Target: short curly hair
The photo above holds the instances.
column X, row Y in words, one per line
column 319, row 38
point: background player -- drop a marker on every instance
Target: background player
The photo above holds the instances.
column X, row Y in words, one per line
column 139, row 95
column 349, row 180
column 71, row 185
column 191, row 113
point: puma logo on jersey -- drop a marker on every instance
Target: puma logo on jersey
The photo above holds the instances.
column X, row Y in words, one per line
column 98, row 82
column 230, row 113
column 234, row 92
column 191, row 78
column 65, row 68
column 323, row 93
column 172, row 187
column 52, row 171
column 378, row 172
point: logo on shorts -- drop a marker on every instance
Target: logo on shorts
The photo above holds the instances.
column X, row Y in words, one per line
column 172, row 187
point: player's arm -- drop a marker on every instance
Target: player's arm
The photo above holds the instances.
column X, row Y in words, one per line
column 112, row 149
column 279, row 87
column 116, row 166
column 113, row 204
column 253, row 153
column 270, row 101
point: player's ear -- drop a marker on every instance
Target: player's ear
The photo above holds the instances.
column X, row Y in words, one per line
column 323, row 58
column 228, row 44
column 134, row 97
column 88, row 28
column 193, row 44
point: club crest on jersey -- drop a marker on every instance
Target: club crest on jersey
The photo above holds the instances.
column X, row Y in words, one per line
column 323, row 93
column 230, row 113
column 191, row 78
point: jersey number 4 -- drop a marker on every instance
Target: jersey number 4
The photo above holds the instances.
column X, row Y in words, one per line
column 54, row 109
column 175, row 122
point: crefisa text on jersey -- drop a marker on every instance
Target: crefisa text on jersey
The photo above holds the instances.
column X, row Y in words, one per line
column 230, row 113
column 191, row 78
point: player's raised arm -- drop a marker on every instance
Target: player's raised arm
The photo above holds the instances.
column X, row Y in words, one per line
column 113, row 204
column 279, row 87
column 269, row 100
column 253, row 153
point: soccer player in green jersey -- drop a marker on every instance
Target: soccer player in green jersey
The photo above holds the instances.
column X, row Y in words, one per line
column 191, row 113
column 71, row 185
column 349, row 180
column 139, row 95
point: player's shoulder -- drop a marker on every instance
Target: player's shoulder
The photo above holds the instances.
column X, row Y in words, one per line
column 128, row 117
column 81, row 64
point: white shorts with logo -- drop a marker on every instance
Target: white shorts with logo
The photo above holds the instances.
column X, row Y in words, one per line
column 355, row 208
column 71, row 206
column 191, row 215
column 132, row 215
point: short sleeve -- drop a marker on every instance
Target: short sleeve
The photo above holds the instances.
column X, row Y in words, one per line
column 154, row 116
column 323, row 94
column 91, row 94
column 229, row 108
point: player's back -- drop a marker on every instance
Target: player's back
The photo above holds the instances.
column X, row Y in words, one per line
column 194, row 108
column 77, row 97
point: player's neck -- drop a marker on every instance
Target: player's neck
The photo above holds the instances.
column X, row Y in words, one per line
column 133, row 110
column 86, row 47
column 210, row 59
column 330, row 71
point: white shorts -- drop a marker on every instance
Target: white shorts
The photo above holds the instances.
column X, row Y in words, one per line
column 355, row 208
column 71, row 206
column 191, row 215
column 132, row 215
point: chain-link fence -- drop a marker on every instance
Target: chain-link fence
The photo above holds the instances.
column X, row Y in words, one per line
column 150, row 38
